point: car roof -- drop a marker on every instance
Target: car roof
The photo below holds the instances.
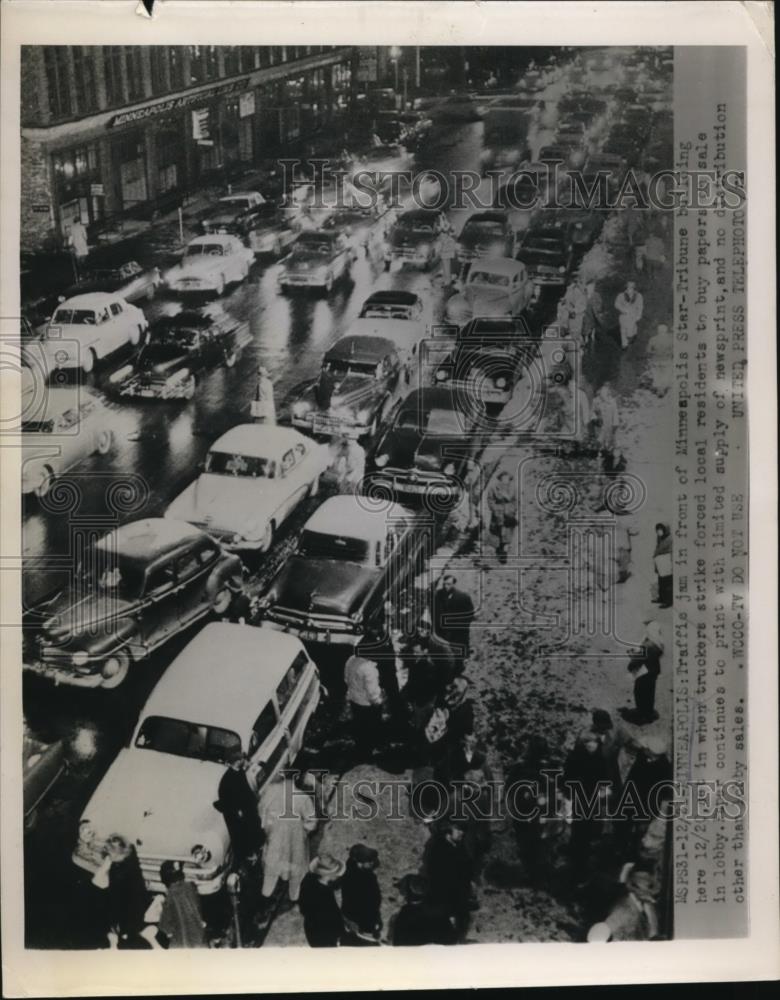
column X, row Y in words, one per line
column 213, row 238
column 391, row 329
column 235, row 195
column 203, row 685
column 393, row 295
column 487, row 217
column 360, row 347
column 90, row 300
column 498, row 265
column 258, row 440
column 345, row 515
column 152, row 537
column 543, row 233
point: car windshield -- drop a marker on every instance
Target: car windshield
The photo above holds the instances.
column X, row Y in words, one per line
column 416, row 225
column 483, row 229
column 341, row 368
column 76, row 317
column 205, row 249
column 433, row 421
column 174, row 337
column 317, row 545
column 189, row 739
column 320, row 248
column 543, row 245
column 488, row 278
column 387, row 310
column 226, row 463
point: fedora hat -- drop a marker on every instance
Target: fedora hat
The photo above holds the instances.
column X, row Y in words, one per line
column 326, row 865
column 362, row 854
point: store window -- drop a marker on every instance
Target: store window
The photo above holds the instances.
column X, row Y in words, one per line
column 84, row 78
column 135, row 73
column 342, row 78
column 112, row 68
column 55, row 59
column 170, row 159
column 77, row 180
column 159, row 68
column 203, row 63
column 250, row 57
column 130, row 159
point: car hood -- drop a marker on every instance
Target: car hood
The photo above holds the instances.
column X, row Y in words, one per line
column 491, row 246
column 228, row 503
column 150, row 367
column 324, row 586
column 162, row 803
column 203, row 264
column 351, row 391
column 222, row 218
column 409, row 448
column 70, row 616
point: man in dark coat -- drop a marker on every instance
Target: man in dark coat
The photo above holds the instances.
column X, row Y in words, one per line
column 361, row 897
column 453, row 612
column 323, row 924
column 419, row 921
column 448, row 868
column 440, row 653
column 586, row 776
column 644, row 667
column 238, row 804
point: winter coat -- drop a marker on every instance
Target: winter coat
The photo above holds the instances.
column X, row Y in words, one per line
column 287, row 816
column 181, row 920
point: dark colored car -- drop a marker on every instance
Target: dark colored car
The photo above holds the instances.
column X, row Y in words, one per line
column 177, row 350
column 414, row 239
column 486, row 234
column 319, row 258
column 236, row 213
column 580, row 226
column 272, row 234
column 425, row 450
column 350, row 396
column 128, row 280
column 547, row 255
column 136, row 588
column 349, row 559
column 392, row 303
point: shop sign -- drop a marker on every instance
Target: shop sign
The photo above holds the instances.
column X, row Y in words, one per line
column 152, row 110
column 96, row 189
column 200, row 124
column 246, row 104
column 40, row 209
column 367, row 65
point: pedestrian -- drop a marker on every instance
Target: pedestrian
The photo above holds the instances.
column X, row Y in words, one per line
column 181, row 917
column 604, row 421
column 662, row 564
column 464, row 755
column 364, row 695
column 361, row 897
column 448, row 869
column 237, row 801
column 323, row 924
column 623, row 551
column 595, row 321
column 460, row 721
column 453, row 613
column 263, row 407
column 120, row 876
column 574, row 303
column 588, row 781
column 646, row 793
column 526, row 794
column 79, row 245
column 502, row 504
column 630, row 306
column 288, row 816
column 472, row 805
column 645, row 666
column 440, row 653
column 420, row 921
column 655, row 257
column 393, row 662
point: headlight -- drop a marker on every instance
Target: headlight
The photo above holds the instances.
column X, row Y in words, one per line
column 200, row 855
column 442, row 375
column 382, row 461
column 561, row 269
column 80, row 659
column 500, row 382
column 449, row 469
column 301, row 409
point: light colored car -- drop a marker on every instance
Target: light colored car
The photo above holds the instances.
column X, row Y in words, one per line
column 67, row 425
column 234, row 689
column 209, row 264
column 87, row 328
column 497, row 286
column 406, row 334
column 254, row 476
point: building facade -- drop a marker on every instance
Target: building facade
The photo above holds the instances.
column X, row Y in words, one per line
column 111, row 131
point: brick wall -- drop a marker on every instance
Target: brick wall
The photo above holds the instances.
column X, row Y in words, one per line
column 37, row 226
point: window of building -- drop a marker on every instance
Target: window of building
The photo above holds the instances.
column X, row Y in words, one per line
column 203, row 63
column 55, row 58
column 159, row 67
column 112, row 67
column 232, row 60
column 176, row 67
column 170, row 151
column 84, row 78
column 135, row 73
column 249, row 56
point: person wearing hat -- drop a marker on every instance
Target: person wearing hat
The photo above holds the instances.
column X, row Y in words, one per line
column 438, row 651
column 237, row 801
column 586, row 778
column 365, row 698
column 461, row 709
column 647, row 789
column 323, row 923
column 361, row 897
column 449, row 871
column 263, row 407
column 419, row 921
column 644, row 667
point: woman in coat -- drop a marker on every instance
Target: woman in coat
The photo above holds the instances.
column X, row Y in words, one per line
column 288, row 816
column 181, row 919
column 502, row 504
column 662, row 563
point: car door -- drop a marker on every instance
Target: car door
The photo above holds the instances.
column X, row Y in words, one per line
column 269, row 746
column 158, row 618
column 296, row 699
column 192, row 571
column 301, row 473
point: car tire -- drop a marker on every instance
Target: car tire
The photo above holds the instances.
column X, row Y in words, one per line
column 104, row 441
column 45, row 482
column 135, row 335
column 268, row 538
column 89, row 361
column 115, row 669
column 222, row 601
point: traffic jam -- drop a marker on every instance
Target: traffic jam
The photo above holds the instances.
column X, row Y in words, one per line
column 271, row 460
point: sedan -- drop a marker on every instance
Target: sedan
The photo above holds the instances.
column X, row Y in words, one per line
column 235, row 213
column 318, row 259
column 547, row 255
column 87, row 328
column 210, row 264
column 129, row 280
column 486, row 234
column 253, row 478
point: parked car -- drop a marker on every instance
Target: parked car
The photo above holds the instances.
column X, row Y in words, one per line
column 318, row 259
column 178, row 350
column 128, row 280
column 359, row 375
column 424, row 451
column 137, row 587
column 65, row 427
column 273, row 234
column 349, row 558
column 547, row 255
column 415, row 237
column 234, row 689
column 210, row 264
column 88, row 328
column 486, row 234
column 393, row 303
column 253, row 478
column 495, row 286
column 236, row 213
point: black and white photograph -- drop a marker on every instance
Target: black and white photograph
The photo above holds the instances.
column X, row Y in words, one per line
column 383, row 503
